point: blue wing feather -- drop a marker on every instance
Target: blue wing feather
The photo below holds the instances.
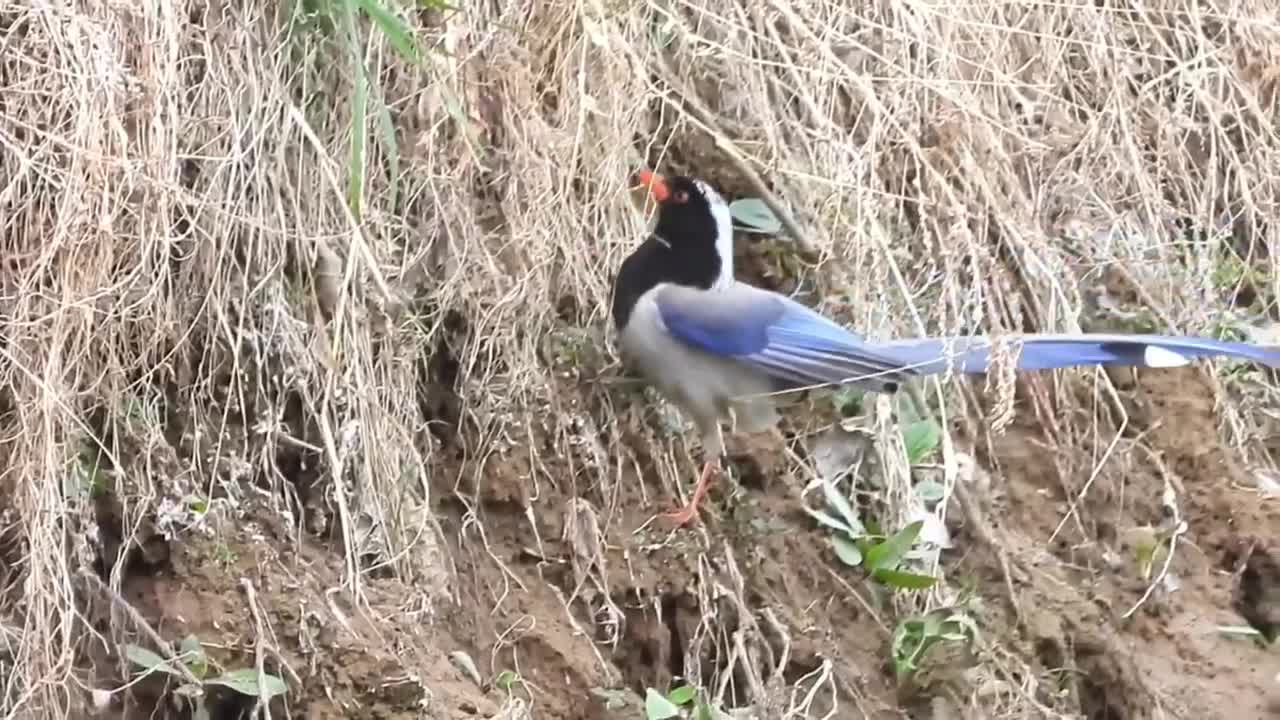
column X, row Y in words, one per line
column 774, row 334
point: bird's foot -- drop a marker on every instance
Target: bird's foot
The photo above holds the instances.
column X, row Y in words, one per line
column 683, row 515
column 687, row 513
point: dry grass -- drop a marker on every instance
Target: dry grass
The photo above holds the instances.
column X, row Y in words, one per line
column 186, row 298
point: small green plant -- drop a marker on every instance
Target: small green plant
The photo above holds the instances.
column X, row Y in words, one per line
column 857, row 546
column 1232, row 273
column 196, row 681
column 1145, row 552
column 917, row 635
column 196, row 504
column 86, row 478
column 680, row 702
column 507, row 680
column 1152, row 546
column 342, row 18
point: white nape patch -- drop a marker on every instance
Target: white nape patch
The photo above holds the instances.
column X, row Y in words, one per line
column 1158, row 357
column 724, row 232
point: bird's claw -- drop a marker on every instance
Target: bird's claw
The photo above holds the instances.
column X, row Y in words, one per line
column 688, row 512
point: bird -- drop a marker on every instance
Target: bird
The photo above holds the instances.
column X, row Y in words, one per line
column 721, row 350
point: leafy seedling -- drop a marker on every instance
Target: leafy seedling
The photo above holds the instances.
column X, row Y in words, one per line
column 916, row 636
column 680, row 702
column 848, row 529
column 245, row 682
column 883, row 560
column 856, row 545
column 198, row 665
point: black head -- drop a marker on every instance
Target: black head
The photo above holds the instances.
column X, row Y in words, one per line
column 687, row 210
column 691, row 243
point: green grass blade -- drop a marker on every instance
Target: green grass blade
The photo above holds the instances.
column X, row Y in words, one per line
column 390, row 149
column 359, row 113
column 904, row 580
column 398, row 33
column 887, row 555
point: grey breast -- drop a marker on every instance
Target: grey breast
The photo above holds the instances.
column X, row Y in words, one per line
column 703, row 385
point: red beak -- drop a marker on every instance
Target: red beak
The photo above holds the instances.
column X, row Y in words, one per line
column 657, row 186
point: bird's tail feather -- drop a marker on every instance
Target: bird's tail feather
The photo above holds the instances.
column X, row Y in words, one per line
column 972, row 354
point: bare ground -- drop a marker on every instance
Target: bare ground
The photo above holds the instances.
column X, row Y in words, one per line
column 393, row 460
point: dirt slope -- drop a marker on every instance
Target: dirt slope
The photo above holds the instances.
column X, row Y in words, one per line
column 387, row 454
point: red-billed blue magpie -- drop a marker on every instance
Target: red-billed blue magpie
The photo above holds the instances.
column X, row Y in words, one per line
column 711, row 344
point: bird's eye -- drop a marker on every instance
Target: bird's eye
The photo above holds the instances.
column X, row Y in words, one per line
column 680, row 196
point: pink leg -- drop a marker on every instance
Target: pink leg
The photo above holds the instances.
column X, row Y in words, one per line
column 686, row 513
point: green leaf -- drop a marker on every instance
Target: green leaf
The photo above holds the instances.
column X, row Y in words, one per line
column 657, row 707
column 842, row 506
column 930, row 491
column 148, row 660
column 920, row 438
column 193, row 655
column 864, row 545
column 904, row 580
column 245, row 682
column 507, row 679
column 825, row 519
column 197, row 505
column 908, row 642
column 756, row 214
column 908, row 634
column 888, row 554
column 873, row 527
column 846, row 550
column 960, row 627
column 398, row 33
column 682, row 695
column 359, row 112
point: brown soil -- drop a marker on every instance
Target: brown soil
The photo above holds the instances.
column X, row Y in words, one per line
column 532, row 602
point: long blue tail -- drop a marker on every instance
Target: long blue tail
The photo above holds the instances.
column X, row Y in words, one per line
column 972, row 354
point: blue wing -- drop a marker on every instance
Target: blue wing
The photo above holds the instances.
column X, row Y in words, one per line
column 1046, row 352
column 781, row 338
